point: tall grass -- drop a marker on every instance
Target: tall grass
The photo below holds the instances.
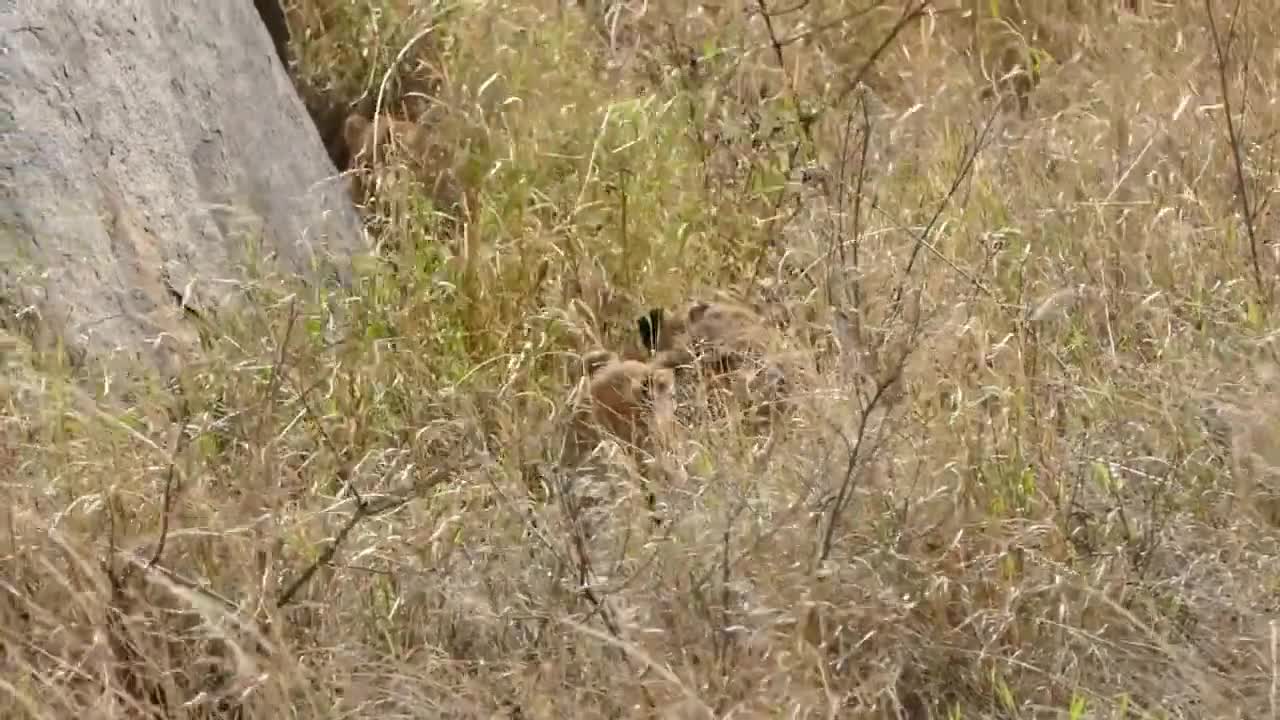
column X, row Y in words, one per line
column 1036, row 473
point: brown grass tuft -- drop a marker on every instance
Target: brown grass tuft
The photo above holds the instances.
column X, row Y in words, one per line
column 1034, row 472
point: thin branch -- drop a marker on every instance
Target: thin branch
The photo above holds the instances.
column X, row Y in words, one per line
column 167, row 502
column 805, row 120
column 344, row 461
column 785, row 11
column 825, row 25
column 1235, row 142
column 277, row 370
column 858, row 192
column 910, row 15
column 922, row 240
column 854, row 461
column 326, row 556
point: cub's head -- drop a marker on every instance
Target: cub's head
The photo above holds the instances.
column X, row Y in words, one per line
column 717, row 333
column 629, row 398
column 360, row 139
column 728, row 349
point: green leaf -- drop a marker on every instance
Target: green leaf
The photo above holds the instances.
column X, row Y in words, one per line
column 1005, row 694
column 1102, row 475
column 1078, row 704
column 709, row 48
column 1253, row 315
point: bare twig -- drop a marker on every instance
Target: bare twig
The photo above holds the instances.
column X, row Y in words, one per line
column 806, row 119
column 855, row 460
column 167, row 502
column 344, row 471
column 822, row 26
column 1223, row 53
column 277, row 369
column 804, row 123
column 326, row 556
column 922, row 240
column 912, row 13
column 864, row 131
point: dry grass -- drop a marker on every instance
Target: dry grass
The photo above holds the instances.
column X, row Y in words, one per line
column 1038, row 475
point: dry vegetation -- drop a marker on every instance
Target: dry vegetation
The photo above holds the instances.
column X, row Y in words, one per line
column 1037, row 474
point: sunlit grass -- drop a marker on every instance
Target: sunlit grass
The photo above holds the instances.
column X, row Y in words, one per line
column 1065, row 505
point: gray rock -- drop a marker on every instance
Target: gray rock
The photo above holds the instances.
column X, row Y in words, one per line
column 142, row 143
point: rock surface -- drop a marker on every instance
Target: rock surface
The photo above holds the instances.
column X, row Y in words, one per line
column 142, row 143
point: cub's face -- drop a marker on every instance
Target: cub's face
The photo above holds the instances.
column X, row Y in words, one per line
column 403, row 149
column 361, row 141
column 631, row 399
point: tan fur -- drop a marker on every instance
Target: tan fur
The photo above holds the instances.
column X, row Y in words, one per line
column 403, row 146
column 392, row 134
column 734, row 350
column 364, row 142
column 628, row 399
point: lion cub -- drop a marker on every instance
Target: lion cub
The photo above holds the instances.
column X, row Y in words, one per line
column 363, row 139
column 401, row 146
column 400, row 138
column 629, row 400
column 729, row 347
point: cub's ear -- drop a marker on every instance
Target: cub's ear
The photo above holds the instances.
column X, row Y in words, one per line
column 650, row 327
column 657, row 385
column 353, row 131
column 593, row 361
column 697, row 310
column 673, row 359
